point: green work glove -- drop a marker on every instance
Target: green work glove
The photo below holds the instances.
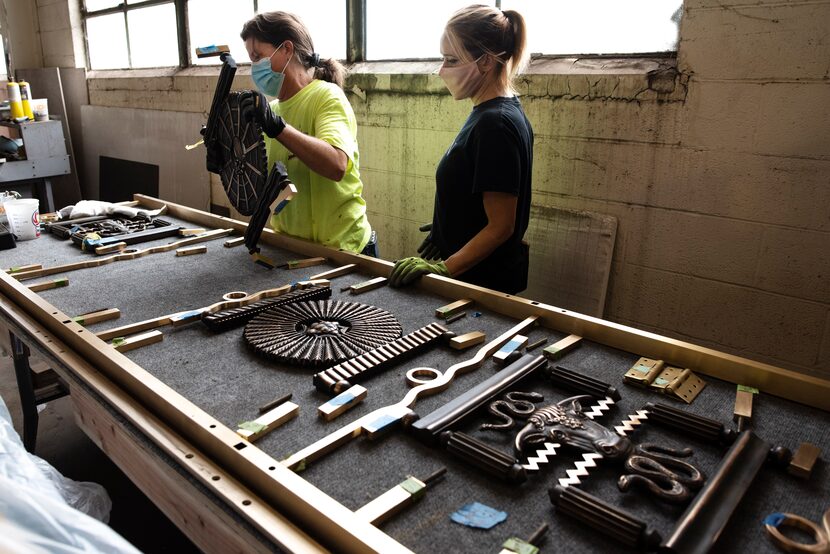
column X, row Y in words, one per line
column 410, row 269
column 428, row 250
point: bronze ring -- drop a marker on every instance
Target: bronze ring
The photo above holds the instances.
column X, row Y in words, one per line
column 413, row 376
column 787, row 544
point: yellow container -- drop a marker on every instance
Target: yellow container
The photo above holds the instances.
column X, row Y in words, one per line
column 15, row 102
column 25, row 98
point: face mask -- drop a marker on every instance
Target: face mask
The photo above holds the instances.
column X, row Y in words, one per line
column 266, row 79
column 463, row 80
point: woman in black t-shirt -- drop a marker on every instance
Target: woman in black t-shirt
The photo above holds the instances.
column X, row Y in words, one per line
column 482, row 196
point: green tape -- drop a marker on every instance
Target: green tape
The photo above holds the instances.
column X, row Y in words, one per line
column 518, row 546
column 78, row 319
column 61, row 282
column 414, row 487
column 251, row 426
column 118, row 341
column 745, row 388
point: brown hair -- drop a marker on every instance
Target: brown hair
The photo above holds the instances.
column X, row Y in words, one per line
column 478, row 30
column 276, row 27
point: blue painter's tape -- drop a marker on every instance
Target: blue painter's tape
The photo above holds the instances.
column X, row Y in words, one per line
column 774, row 519
column 476, row 314
column 280, row 206
column 510, row 346
column 478, row 515
column 184, row 316
column 340, row 399
column 381, row 423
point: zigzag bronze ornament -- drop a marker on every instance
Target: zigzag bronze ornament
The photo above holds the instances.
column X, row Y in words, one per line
column 709, row 511
column 320, row 333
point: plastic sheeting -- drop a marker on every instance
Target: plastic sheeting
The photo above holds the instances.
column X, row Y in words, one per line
column 43, row 511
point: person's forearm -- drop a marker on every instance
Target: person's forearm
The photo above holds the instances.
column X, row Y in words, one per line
column 320, row 156
column 475, row 251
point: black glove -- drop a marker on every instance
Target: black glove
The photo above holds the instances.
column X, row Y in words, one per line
column 254, row 105
column 428, row 250
column 215, row 157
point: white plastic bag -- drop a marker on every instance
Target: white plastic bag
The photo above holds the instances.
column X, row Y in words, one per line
column 43, row 511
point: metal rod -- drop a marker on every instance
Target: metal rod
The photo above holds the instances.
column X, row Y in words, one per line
column 434, row 476
column 274, row 403
column 428, row 428
column 706, row 517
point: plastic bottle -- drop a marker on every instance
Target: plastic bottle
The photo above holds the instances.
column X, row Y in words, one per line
column 15, row 102
column 25, row 97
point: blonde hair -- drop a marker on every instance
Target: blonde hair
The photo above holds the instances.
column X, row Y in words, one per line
column 479, row 30
column 276, row 27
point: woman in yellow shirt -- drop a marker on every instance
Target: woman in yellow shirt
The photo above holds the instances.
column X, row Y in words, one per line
column 311, row 129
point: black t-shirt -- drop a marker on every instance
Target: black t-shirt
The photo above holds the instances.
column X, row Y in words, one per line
column 493, row 152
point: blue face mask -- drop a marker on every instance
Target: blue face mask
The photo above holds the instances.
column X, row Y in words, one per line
column 266, row 79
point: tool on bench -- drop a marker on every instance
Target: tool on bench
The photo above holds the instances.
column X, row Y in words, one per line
column 743, row 407
column 274, row 403
column 264, row 424
column 397, row 498
column 515, row 545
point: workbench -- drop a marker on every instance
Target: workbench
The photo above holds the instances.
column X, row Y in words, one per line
column 166, row 413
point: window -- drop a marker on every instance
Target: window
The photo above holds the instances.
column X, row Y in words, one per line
column 131, row 34
column 153, row 33
column 215, row 22
column 563, row 27
column 388, row 38
column 325, row 20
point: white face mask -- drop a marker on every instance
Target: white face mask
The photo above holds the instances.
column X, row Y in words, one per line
column 462, row 80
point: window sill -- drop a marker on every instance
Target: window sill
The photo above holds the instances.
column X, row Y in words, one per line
column 653, row 78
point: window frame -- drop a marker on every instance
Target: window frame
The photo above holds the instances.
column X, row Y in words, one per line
column 356, row 33
column 182, row 38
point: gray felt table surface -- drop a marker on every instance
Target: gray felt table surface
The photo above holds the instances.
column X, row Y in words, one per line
column 221, row 375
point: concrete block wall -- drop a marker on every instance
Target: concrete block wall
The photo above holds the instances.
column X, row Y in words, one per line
column 717, row 168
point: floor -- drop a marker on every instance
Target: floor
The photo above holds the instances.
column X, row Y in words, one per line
column 66, row 447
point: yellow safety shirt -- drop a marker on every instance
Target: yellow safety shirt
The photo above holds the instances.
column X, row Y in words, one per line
column 332, row 213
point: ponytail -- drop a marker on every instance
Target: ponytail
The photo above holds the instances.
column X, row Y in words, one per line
column 329, row 70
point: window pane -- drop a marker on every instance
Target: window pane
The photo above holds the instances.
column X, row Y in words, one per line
column 153, row 41
column 107, row 40
column 218, row 22
column 92, row 5
column 324, row 19
column 416, row 34
column 598, row 26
